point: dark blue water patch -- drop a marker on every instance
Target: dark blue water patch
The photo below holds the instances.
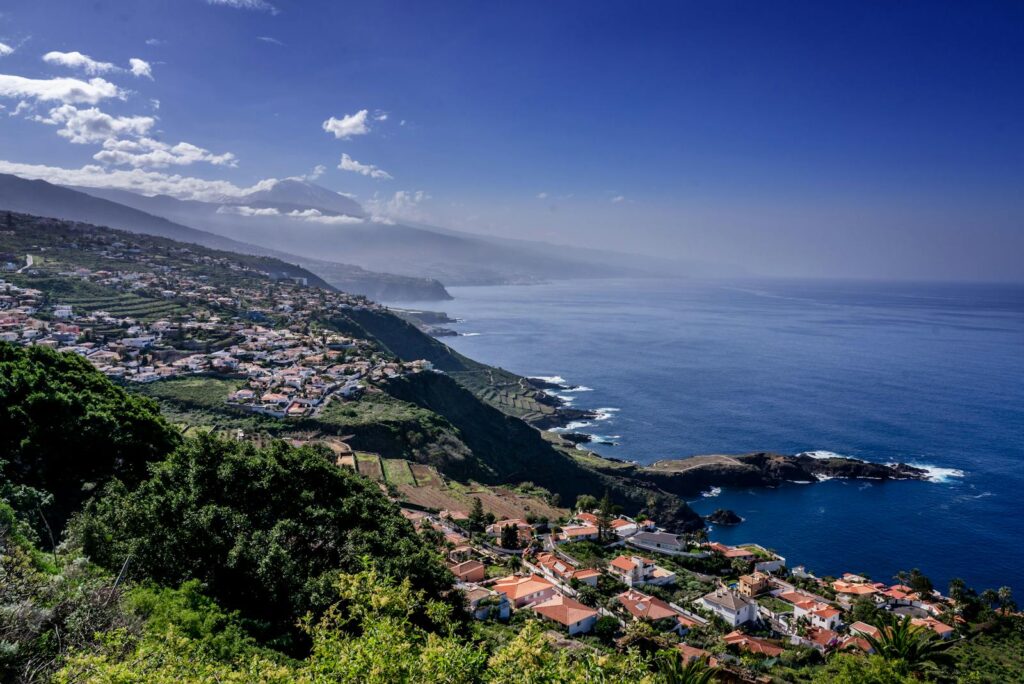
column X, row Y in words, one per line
column 923, row 373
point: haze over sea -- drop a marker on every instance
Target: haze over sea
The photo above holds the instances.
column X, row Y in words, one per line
column 928, row 374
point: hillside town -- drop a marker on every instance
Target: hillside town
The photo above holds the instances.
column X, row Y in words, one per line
column 615, row 579
column 170, row 322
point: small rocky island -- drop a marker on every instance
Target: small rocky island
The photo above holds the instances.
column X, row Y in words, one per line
column 723, row 516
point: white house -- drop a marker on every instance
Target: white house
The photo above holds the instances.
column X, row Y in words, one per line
column 730, row 606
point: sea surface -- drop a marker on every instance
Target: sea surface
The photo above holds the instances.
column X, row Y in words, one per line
column 926, row 374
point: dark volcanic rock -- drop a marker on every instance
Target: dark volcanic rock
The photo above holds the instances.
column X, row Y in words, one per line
column 723, row 516
column 577, row 437
column 689, row 477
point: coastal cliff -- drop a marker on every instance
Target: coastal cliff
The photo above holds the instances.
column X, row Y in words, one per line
column 689, row 477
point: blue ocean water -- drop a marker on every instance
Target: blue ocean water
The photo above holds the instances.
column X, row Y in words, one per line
column 926, row 374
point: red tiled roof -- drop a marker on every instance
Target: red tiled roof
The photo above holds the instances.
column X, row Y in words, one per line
column 642, row 606
column 564, row 610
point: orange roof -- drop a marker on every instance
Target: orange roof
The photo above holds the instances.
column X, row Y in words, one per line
column 822, row 637
column 932, row 624
column 853, row 588
column 579, row 531
column 517, row 587
column 752, row 644
column 694, row 653
column 586, row 573
column 645, row 607
column 564, row 610
column 864, row 628
column 619, row 522
column 623, row 563
column 588, row 517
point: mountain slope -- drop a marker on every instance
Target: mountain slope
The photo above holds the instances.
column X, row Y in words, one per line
column 45, row 199
column 335, row 234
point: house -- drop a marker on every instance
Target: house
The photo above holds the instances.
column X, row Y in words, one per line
column 571, row 614
column 522, row 591
column 485, row 602
column 816, row 612
column 469, row 571
column 943, row 630
column 732, row 552
column 690, row 653
column 849, row 591
column 659, row 541
column 495, row 529
column 733, row 608
column 577, row 533
column 752, row 644
column 556, row 568
column 636, row 570
column 823, row 639
column 753, row 584
column 644, row 607
column 863, row 628
column 624, row 528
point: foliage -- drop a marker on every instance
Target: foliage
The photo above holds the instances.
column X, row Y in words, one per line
column 917, row 648
column 853, row 669
column 264, row 529
column 65, row 428
column 672, row 670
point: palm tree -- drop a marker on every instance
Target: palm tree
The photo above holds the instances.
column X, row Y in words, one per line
column 672, row 670
column 918, row 647
column 1005, row 598
column 957, row 590
column 989, row 597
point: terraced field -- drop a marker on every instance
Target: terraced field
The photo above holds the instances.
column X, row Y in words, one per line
column 423, row 486
column 369, row 465
column 84, row 296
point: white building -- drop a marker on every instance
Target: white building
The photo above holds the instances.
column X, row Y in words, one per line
column 730, row 606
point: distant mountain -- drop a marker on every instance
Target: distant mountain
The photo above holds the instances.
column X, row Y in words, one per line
column 452, row 257
column 293, row 192
column 45, row 199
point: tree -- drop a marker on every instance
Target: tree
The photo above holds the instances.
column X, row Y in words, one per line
column 844, row 668
column 920, row 582
column 604, row 518
column 864, row 610
column 606, row 628
column 509, row 537
column 957, row 590
column 66, row 429
column 266, row 530
column 477, row 517
column 898, row 639
column 672, row 670
column 1005, row 598
column 586, row 503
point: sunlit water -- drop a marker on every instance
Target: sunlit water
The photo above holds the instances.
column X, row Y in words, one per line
column 925, row 374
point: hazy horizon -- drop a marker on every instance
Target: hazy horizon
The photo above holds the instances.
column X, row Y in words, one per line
column 854, row 141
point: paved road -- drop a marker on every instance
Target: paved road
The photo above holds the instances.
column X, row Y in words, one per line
column 28, row 263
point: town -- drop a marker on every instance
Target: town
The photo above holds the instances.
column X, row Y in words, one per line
column 621, row 581
column 259, row 332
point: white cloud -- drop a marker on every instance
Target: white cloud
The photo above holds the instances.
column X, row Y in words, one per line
column 140, row 68
column 317, row 171
column 404, row 204
column 83, row 126
column 242, row 210
column 309, row 215
column 155, row 42
column 154, row 103
column 348, row 125
column 259, row 5
column 21, row 108
column 380, row 116
column 5, row 49
column 76, row 60
column 147, row 152
column 270, row 39
column 350, row 164
column 316, row 216
column 542, row 195
column 136, row 180
column 68, row 90
column 618, row 199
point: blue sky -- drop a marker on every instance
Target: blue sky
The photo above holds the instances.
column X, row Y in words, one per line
column 823, row 139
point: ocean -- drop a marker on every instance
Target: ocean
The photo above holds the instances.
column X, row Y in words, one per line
column 928, row 374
